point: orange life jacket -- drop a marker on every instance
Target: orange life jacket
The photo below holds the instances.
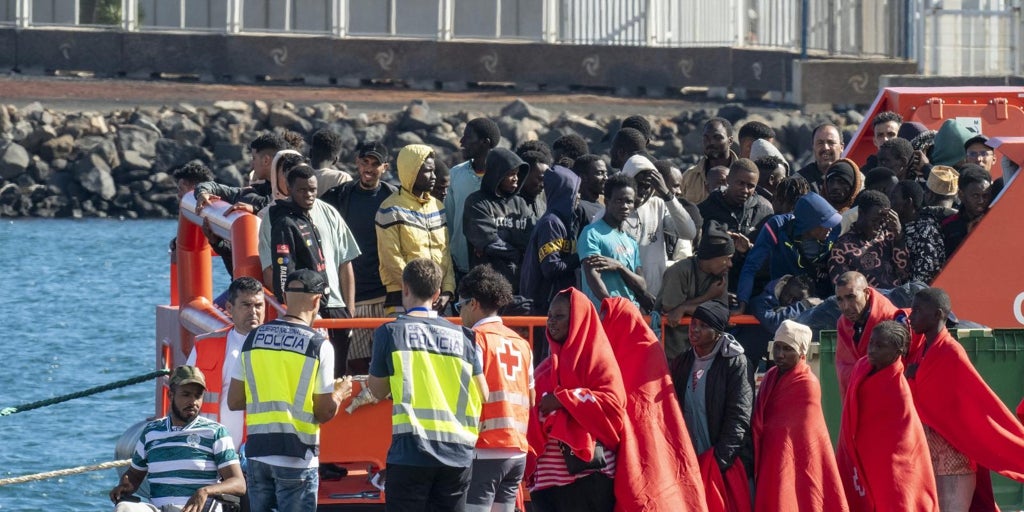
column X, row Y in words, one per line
column 507, row 362
column 210, row 349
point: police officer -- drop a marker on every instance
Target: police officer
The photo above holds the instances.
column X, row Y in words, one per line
column 284, row 382
column 432, row 369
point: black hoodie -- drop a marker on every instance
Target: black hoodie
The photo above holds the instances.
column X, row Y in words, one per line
column 295, row 243
column 498, row 226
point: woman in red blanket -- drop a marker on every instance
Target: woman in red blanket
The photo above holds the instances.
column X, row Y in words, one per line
column 656, row 468
column 577, row 425
column 795, row 467
column 716, row 396
column 882, row 454
column 970, row 431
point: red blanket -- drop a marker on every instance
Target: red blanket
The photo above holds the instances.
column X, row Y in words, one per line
column 1020, row 411
column 982, row 427
column 794, row 465
column 725, row 493
column 848, row 352
column 656, row 467
column 583, row 375
column 883, row 454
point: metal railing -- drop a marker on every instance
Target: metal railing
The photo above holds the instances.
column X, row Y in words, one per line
column 951, row 37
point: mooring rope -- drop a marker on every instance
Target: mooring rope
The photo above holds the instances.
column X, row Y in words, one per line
column 7, row 411
column 64, row 472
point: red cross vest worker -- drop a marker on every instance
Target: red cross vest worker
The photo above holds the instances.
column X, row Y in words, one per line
column 500, row 457
column 216, row 353
column 862, row 307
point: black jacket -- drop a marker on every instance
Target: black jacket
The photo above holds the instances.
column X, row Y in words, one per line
column 338, row 196
column 498, row 226
column 257, row 195
column 294, row 244
column 729, row 398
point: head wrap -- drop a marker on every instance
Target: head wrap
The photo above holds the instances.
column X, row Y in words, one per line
column 942, row 180
column 794, row 334
column 716, row 242
column 714, row 314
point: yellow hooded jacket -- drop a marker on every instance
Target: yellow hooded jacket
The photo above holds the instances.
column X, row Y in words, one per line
column 411, row 226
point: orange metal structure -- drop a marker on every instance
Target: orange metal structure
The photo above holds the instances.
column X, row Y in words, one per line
column 996, row 111
column 981, row 278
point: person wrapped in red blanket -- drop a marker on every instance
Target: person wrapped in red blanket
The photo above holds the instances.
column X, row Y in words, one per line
column 577, row 425
column 970, row 430
column 862, row 307
column 883, row 454
column 656, row 468
column 794, row 465
column 716, row 395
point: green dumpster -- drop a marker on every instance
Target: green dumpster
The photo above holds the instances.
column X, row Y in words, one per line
column 831, row 402
column 998, row 355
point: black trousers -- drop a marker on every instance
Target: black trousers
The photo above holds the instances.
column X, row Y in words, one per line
column 426, row 489
column 339, row 338
column 594, row 493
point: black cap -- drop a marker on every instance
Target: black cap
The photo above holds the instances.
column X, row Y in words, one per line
column 305, row 281
column 976, row 139
column 375, row 149
column 716, row 242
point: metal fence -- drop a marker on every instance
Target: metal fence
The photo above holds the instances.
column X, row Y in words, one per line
column 946, row 37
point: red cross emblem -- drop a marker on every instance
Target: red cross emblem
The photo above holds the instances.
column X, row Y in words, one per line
column 510, row 358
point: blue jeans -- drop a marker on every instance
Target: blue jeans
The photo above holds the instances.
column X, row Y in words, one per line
column 280, row 488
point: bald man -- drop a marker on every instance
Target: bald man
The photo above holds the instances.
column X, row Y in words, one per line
column 862, row 308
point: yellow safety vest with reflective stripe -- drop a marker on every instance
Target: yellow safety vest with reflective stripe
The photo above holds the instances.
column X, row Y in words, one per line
column 280, row 361
column 435, row 396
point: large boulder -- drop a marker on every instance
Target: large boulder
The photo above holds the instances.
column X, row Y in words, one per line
column 520, row 109
column 417, row 116
column 14, row 159
column 94, row 175
column 141, row 139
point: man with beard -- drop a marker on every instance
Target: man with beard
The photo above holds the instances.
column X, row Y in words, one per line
column 862, row 308
column 827, row 147
column 478, row 139
column 358, row 201
column 194, row 457
column 717, row 152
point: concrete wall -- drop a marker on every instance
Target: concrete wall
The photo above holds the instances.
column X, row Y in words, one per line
column 326, row 60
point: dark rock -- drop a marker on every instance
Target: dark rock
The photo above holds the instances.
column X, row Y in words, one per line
column 520, row 109
column 139, row 139
column 418, row 116
column 123, row 198
column 281, row 117
column 59, row 147
column 39, row 135
column 229, row 175
column 94, row 175
column 133, row 160
column 733, row 112
column 5, row 120
column 106, row 149
column 586, row 128
column 232, row 152
column 140, row 186
column 40, row 170
column 172, row 154
column 182, row 129
column 59, row 164
column 162, row 182
column 403, row 139
column 13, row 161
column 21, row 130
column 24, row 180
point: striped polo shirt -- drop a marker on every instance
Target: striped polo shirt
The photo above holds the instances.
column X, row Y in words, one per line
column 179, row 461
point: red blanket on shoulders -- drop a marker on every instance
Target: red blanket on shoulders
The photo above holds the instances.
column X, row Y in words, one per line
column 794, row 465
column 725, row 493
column 883, row 454
column 583, row 375
column 848, row 352
column 656, row 467
column 1020, row 411
column 982, row 427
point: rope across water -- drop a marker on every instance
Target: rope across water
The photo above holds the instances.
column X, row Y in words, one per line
column 64, row 472
column 7, row 411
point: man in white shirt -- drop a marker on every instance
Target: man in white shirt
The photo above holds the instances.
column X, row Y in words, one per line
column 216, row 353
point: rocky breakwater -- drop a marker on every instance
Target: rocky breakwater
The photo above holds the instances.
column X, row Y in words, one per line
column 119, row 163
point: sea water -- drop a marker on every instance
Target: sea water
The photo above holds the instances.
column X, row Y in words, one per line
column 77, row 301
